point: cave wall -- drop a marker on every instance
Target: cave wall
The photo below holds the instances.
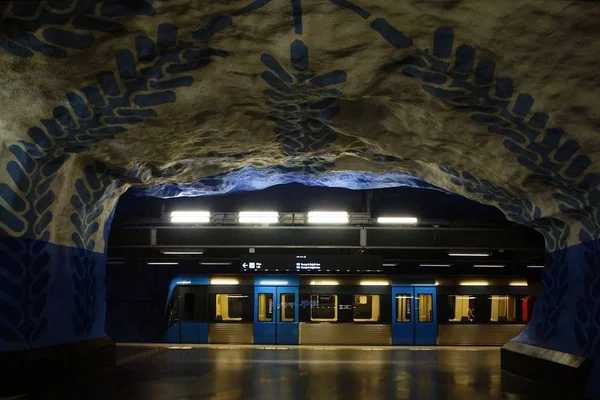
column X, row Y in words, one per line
column 184, row 98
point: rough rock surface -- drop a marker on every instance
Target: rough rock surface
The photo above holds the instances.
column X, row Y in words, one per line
column 493, row 100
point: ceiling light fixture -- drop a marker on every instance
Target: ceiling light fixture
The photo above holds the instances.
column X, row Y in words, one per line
column 474, row 283
column 162, row 263
column 535, row 266
column 518, row 283
column 488, row 266
column 435, row 265
column 190, row 217
column 224, row 281
column 374, row 283
column 324, row 283
column 216, row 263
column 328, row 217
column 398, row 220
column 258, row 217
column 467, row 254
column 181, row 252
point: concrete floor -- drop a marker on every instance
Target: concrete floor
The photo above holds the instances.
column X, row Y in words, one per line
column 267, row 372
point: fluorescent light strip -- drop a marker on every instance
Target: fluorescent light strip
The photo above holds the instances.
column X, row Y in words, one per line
column 190, row 217
column 274, row 283
column 435, row 265
column 452, row 254
column 517, row 284
column 258, row 217
column 182, row 252
column 398, row 220
column 474, row 283
column 216, row 263
column 224, row 281
column 162, row 263
column 535, row 266
column 488, row 266
column 324, row 283
column 389, row 264
column 374, row 283
column 328, row 217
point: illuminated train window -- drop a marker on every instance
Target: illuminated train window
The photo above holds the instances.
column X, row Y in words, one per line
column 229, row 307
column 403, row 307
column 366, row 308
column 462, row 308
column 504, row 309
column 265, row 307
column 288, row 307
column 425, row 305
column 323, row 307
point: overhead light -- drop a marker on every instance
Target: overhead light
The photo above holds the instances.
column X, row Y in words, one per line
column 182, row 252
column 468, row 254
column 224, row 281
column 535, row 266
column 162, row 263
column 398, row 220
column 389, row 264
column 518, row 283
column 374, row 283
column 474, row 283
column 216, row 263
column 328, row 217
column 190, row 217
column 435, row 265
column 258, row 217
column 488, row 266
column 273, row 283
column 324, row 283
column 437, row 283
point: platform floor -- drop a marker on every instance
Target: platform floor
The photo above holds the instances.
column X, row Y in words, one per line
column 283, row 372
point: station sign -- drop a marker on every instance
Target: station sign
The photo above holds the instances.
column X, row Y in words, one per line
column 301, row 263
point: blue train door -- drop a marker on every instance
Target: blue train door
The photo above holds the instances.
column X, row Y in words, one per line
column 414, row 319
column 425, row 315
column 275, row 314
column 403, row 321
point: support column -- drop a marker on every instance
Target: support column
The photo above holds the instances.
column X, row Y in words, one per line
column 561, row 344
column 53, row 226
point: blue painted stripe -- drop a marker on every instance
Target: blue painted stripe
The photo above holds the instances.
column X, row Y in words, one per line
column 154, row 99
column 297, row 12
column 353, row 7
column 391, row 34
column 68, row 39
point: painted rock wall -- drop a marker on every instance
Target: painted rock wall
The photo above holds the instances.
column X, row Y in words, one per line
column 495, row 101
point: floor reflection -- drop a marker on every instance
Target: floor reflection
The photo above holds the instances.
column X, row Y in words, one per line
column 224, row 374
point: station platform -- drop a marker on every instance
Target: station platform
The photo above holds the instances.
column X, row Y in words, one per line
column 228, row 372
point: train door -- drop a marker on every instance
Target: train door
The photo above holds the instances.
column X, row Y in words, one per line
column 414, row 319
column 276, row 315
column 403, row 321
column 425, row 315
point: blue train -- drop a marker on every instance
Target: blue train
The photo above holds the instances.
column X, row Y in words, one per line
column 344, row 310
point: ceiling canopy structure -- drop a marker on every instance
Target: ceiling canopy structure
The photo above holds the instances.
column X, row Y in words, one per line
column 496, row 101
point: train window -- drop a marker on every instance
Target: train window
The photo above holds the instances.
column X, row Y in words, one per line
column 265, row 307
column 504, row 309
column 425, row 305
column 288, row 307
column 404, row 307
column 229, row 307
column 462, row 308
column 366, row 308
column 323, row 307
